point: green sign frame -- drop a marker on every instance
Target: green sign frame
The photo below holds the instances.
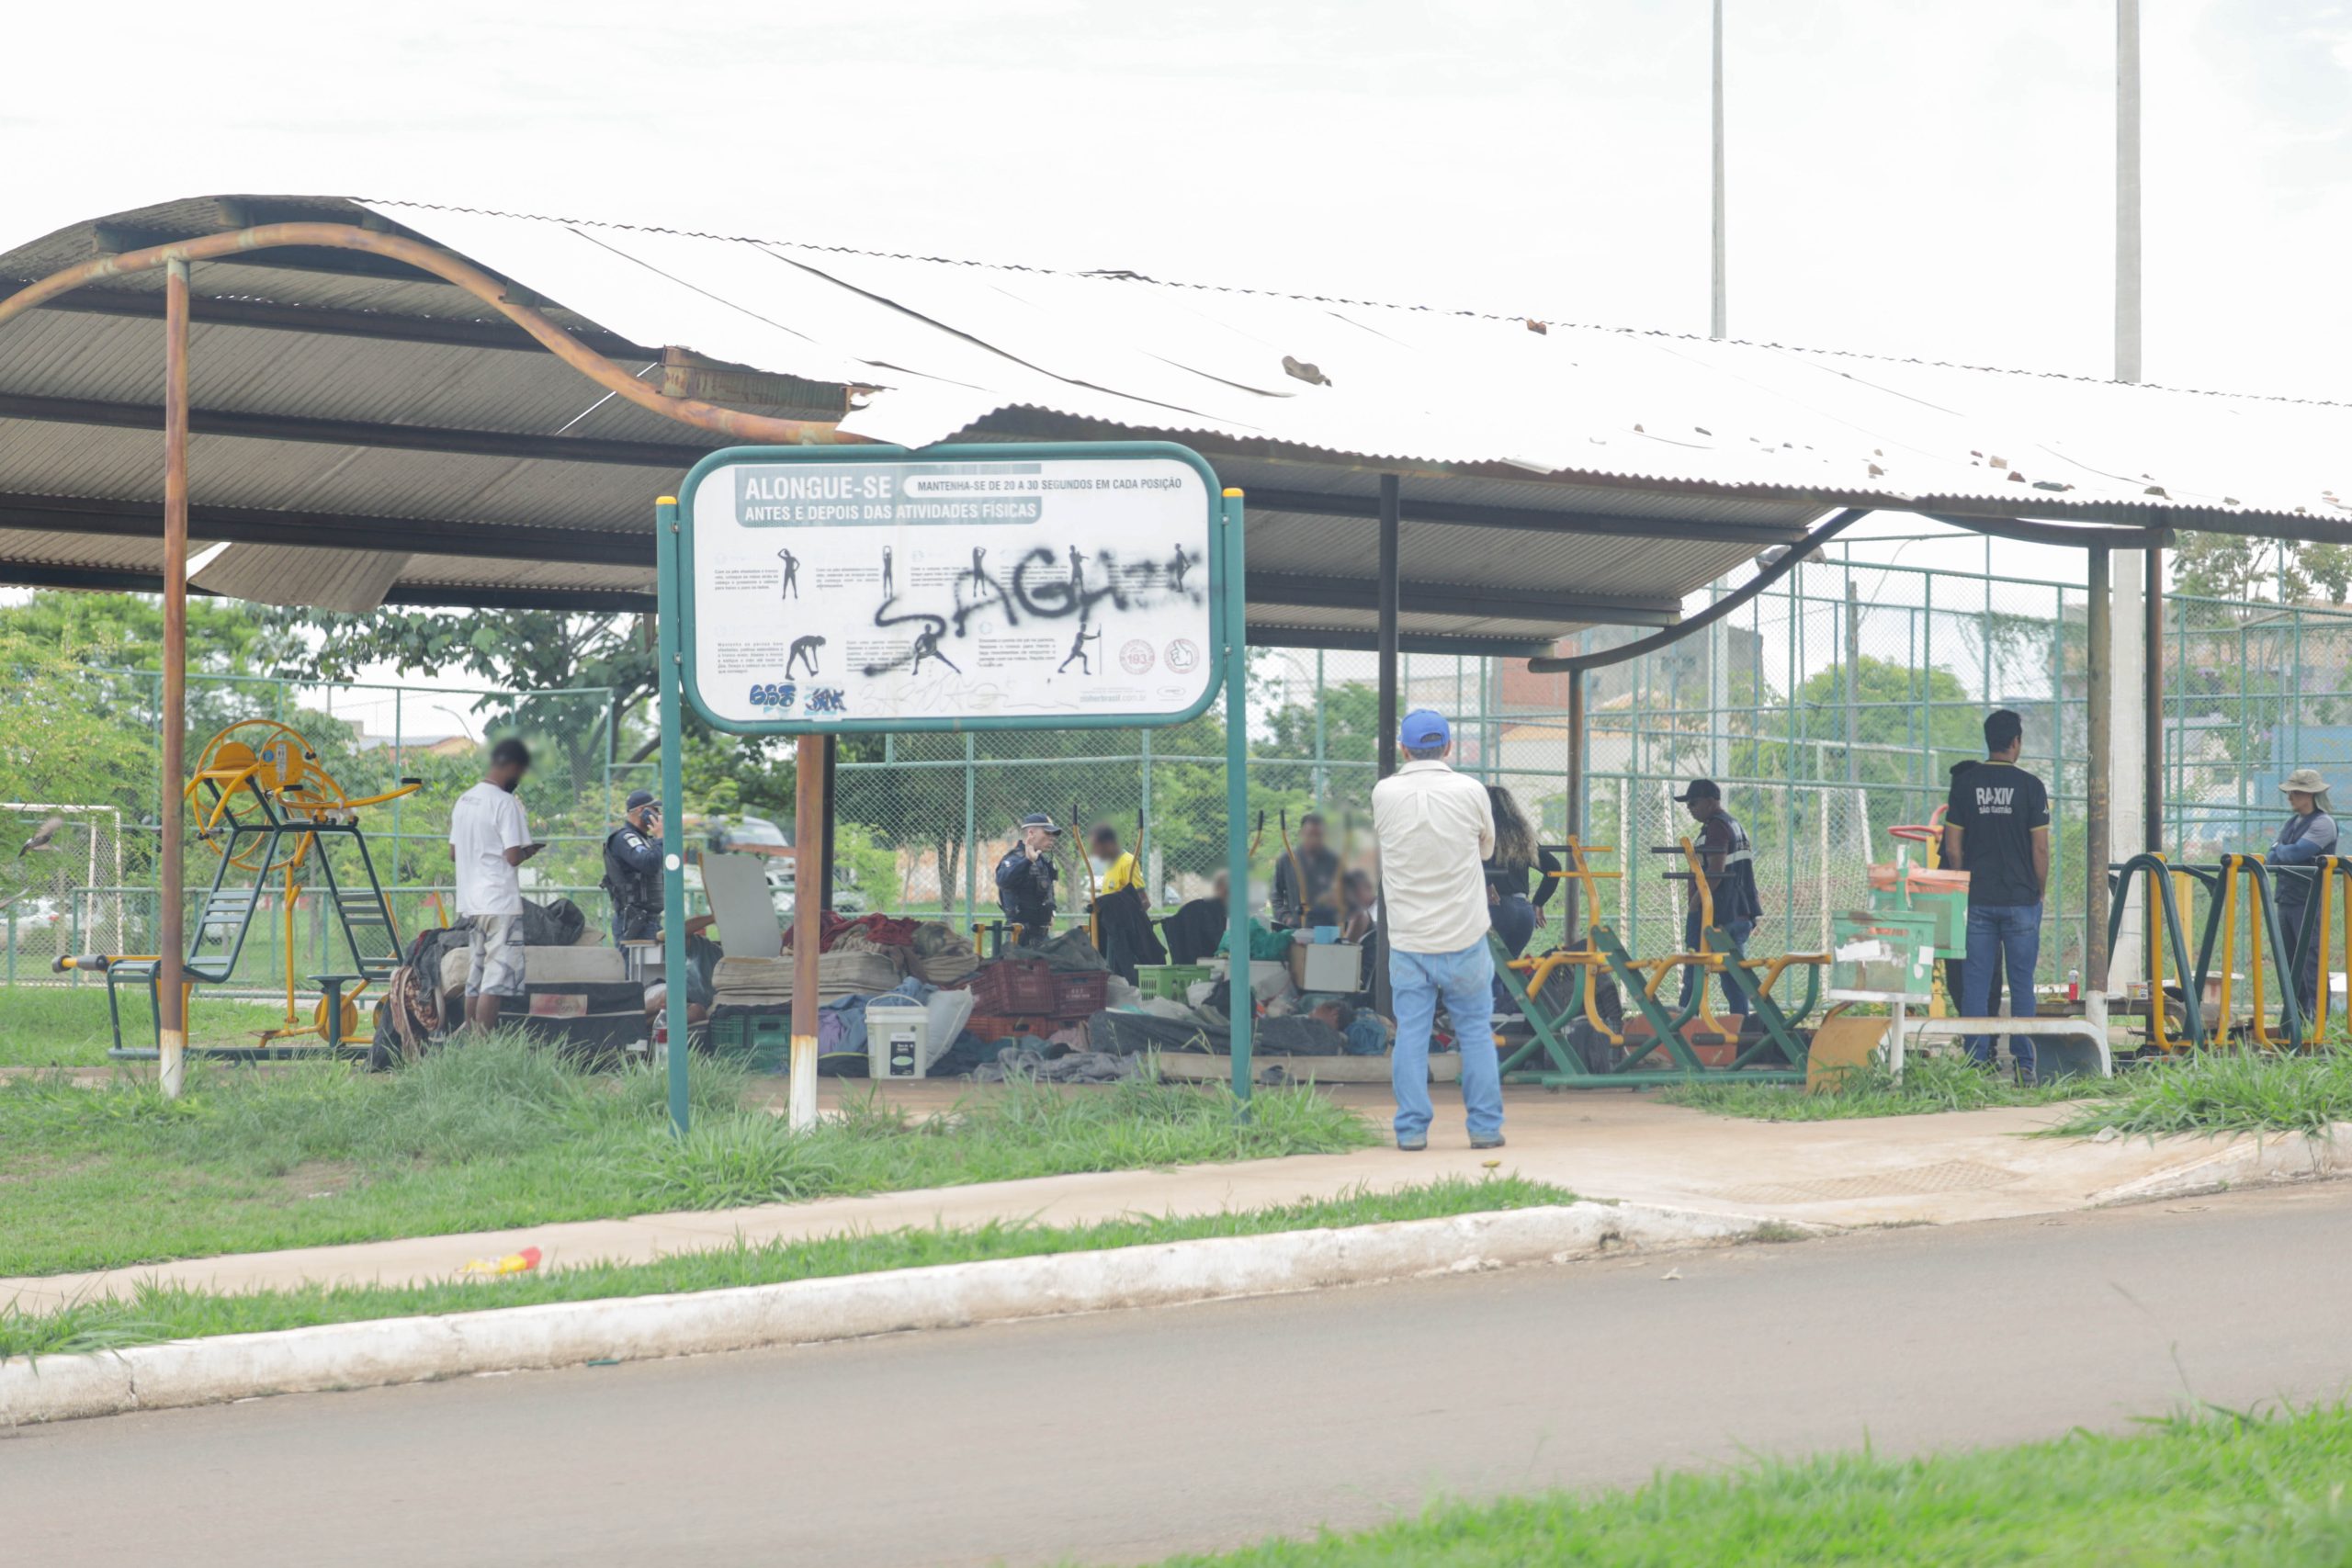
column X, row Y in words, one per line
column 1035, row 452
column 677, row 690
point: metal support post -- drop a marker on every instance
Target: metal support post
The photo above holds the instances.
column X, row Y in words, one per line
column 667, row 673
column 808, row 810
column 825, row 835
column 2152, row 695
column 171, row 946
column 1321, row 747
column 971, row 828
column 2095, row 828
column 1574, row 809
column 1237, row 788
column 1391, row 595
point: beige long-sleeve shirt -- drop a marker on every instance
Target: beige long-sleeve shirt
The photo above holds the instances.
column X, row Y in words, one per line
column 1436, row 828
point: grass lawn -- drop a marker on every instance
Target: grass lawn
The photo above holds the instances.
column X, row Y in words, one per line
column 1929, row 1084
column 498, row 1134
column 65, row 1026
column 2224, row 1092
column 2215, row 1489
column 175, row 1311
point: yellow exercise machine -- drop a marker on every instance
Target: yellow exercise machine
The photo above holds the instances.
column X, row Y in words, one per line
column 272, row 813
column 1557, row 1058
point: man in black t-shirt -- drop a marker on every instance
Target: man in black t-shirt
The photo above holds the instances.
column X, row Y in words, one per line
column 1996, row 829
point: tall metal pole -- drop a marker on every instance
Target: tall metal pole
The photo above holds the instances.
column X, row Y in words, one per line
column 1391, row 605
column 171, row 944
column 2127, row 190
column 1718, row 313
column 1237, row 798
column 668, row 624
column 808, row 905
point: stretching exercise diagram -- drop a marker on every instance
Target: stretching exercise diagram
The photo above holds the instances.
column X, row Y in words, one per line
column 1078, row 651
column 791, row 587
column 1077, row 568
column 803, row 647
column 889, row 592
column 927, row 646
column 1177, row 570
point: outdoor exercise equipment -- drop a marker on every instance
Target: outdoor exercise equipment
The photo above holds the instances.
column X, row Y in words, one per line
column 2236, row 885
column 270, row 812
column 1632, row 1062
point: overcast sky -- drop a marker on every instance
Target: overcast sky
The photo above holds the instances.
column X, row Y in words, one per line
column 1920, row 177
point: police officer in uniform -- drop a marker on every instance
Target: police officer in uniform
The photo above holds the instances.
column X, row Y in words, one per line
column 633, row 870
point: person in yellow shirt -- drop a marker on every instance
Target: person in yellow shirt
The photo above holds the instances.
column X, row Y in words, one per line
column 1121, row 906
column 1115, row 869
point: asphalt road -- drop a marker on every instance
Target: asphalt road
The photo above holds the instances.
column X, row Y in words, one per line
column 1124, row 1437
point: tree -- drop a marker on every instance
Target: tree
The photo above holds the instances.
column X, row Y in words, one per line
column 2240, row 568
column 586, row 676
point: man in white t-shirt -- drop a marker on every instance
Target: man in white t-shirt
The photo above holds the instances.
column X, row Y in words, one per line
column 490, row 838
column 1436, row 828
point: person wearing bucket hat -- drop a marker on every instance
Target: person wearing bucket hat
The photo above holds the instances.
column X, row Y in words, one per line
column 2308, row 838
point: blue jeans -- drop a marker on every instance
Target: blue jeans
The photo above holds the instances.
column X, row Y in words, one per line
column 1735, row 999
column 1466, row 980
column 2015, row 929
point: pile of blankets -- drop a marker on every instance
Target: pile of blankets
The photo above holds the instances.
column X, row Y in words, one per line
column 864, row 957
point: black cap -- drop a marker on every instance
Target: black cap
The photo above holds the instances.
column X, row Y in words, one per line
column 637, row 797
column 1700, row 789
column 1039, row 820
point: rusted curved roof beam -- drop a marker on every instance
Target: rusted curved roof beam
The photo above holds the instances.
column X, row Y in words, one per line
column 452, row 269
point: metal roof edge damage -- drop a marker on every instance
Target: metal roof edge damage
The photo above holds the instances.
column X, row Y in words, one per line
column 364, row 429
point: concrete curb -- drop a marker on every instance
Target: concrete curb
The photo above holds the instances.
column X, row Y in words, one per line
column 2244, row 1160
column 416, row 1349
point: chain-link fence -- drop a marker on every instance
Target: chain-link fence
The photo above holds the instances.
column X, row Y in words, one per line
column 1831, row 708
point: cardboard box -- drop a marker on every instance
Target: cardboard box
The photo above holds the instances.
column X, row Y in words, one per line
column 1334, row 968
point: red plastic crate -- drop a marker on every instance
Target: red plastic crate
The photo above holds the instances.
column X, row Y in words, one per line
column 1080, row 995
column 995, row 1027
column 1019, row 987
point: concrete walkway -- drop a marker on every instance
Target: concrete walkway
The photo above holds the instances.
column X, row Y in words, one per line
column 1868, row 1171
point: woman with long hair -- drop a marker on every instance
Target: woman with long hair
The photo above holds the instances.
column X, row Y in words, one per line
column 1517, row 860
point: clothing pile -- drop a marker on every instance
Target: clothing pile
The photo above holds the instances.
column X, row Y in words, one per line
column 864, row 957
column 943, row 955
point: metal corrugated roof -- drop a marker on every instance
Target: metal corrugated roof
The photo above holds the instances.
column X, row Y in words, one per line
column 1675, row 458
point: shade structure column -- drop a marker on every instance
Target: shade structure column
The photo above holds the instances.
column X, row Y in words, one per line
column 2096, row 850
column 1391, row 606
column 171, row 943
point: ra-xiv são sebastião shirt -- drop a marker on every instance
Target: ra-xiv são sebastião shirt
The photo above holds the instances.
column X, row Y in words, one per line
column 1997, row 806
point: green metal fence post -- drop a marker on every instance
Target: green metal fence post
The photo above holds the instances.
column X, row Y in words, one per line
column 671, row 605
column 1237, row 798
column 1320, row 689
column 1143, row 806
column 971, row 839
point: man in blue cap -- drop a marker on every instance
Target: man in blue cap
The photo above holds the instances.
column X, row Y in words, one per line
column 1436, row 829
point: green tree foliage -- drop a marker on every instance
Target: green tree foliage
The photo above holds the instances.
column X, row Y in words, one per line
column 606, row 660
column 2231, row 566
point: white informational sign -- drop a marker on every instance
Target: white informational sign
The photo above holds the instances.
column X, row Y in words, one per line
column 837, row 591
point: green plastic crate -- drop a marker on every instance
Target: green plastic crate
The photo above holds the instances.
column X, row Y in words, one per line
column 761, row 1042
column 1167, row 981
